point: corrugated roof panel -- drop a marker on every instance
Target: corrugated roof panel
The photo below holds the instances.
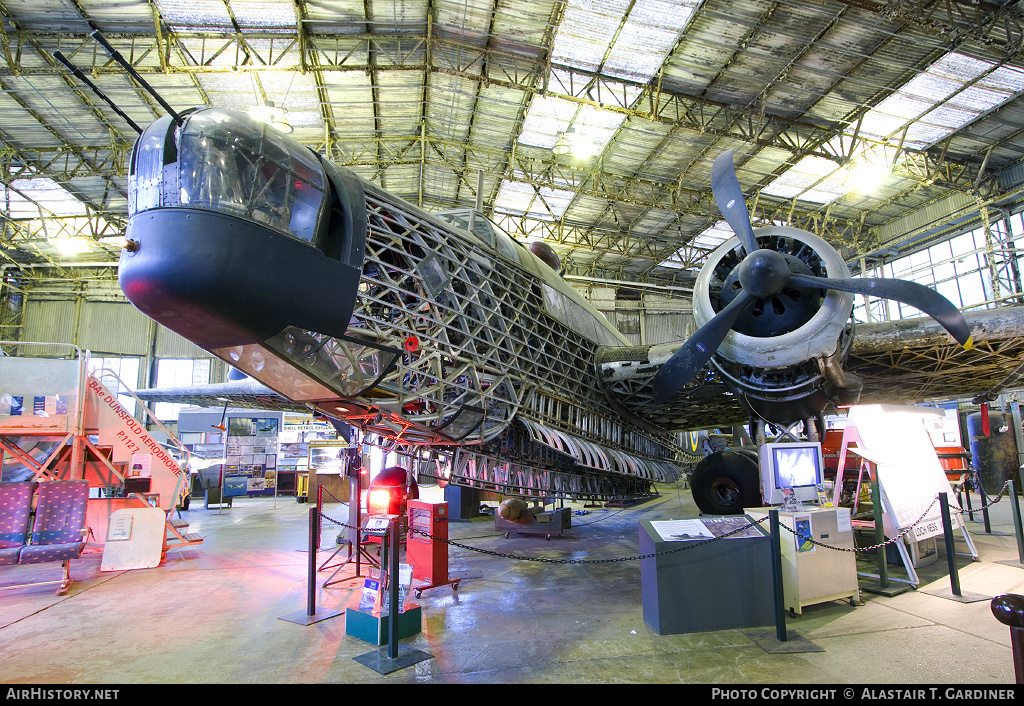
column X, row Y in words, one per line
column 264, row 15
column 807, row 179
column 183, row 15
column 546, row 118
column 53, row 198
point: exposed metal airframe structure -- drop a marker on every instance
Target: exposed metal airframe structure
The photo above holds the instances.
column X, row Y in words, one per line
column 475, row 308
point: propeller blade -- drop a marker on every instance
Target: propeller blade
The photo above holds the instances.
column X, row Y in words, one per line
column 916, row 295
column 698, row 349
column 729, row 197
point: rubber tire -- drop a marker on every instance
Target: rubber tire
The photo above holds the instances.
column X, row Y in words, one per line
column 726, row 482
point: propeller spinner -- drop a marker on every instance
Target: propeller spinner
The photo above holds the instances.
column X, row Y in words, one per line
column 764, row 274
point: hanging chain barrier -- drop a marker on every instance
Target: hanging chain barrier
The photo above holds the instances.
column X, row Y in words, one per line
column 686, row 546
column 977, row 484
column 543, row 559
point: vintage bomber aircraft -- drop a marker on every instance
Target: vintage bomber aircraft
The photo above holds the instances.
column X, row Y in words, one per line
column 461, row 346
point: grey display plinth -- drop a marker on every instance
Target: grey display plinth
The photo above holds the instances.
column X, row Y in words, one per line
column 718, row 585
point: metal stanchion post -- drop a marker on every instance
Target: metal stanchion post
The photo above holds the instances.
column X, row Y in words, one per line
column 954, row 593
column 984, row 506
column 780, row 601
column 947, row 530
column 311, row 616
column 883, row 562
column 1015, row 507
column 882, row 587
column 392, row 659
column 393, row 578
column 319, row 510
column 784, row 641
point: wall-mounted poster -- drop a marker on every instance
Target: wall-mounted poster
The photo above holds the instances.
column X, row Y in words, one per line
column 240, row 427
column 251, row 449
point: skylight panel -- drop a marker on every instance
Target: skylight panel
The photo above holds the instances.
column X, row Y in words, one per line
column 546, row 118
column 646, row 38
column 674, row 262
column 714, row 236
column 515, row 197
column 185, row 15
column 586, row 30
column 523, row 199
column 649, row 32
column 1005, row 78
column 51, row 197
column 921, row 108
column 557, row 200
column 639, row 51
column 597, row 126
column 960, row 68
column 264, row 15
column 892, row 114
column 978, row 98
column 807, row 180
column 922, row 97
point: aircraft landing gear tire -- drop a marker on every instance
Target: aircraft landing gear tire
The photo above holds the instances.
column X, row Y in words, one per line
column 726, row 482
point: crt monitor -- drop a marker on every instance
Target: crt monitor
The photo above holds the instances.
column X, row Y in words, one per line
column 796, row 465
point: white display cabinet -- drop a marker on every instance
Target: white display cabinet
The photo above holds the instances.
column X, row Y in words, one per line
column 810, row 573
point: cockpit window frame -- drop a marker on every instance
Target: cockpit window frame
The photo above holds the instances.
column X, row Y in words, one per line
column 224, row 161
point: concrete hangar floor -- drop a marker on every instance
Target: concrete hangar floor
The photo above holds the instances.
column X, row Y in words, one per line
column 211, row 614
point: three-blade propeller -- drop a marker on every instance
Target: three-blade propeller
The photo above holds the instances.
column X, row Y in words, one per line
column 763, row 273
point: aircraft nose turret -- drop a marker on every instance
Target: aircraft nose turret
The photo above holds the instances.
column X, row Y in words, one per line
column 228, row 220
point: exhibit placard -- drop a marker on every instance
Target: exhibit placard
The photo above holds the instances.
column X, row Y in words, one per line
column 910, row 475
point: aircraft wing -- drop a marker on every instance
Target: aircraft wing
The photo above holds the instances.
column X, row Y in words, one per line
column 907, row 361
column 236, row 393
column 915, row 360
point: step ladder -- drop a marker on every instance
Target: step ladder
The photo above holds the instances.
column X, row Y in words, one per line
column 93, row 436
column 177, row 537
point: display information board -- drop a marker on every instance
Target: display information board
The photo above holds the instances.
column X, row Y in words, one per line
column 251, row 450
column 704, row 528
column 896, row 440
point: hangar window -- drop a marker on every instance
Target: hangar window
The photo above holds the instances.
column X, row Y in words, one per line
column 178, row 373
column 126, row 369
column 961, row 269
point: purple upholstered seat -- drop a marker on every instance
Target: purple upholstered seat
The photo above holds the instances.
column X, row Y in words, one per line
column 15, row 508
column 60, row 518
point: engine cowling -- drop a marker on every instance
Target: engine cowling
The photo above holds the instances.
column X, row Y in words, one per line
column 783, row 358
